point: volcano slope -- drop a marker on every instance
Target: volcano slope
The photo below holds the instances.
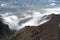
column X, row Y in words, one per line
column 46, row 31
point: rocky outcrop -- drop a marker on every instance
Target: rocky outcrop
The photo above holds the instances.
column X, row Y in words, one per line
column 5, row 32
column 46, row 31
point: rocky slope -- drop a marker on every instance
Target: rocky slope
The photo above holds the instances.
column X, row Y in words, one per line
column 46, row 31
column 5, row 32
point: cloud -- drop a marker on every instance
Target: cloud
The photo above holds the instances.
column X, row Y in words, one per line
column 37, row 19
column 3, row 5
column 11, row 21
column 34, row 19
column 55, row 10
column 52, row 4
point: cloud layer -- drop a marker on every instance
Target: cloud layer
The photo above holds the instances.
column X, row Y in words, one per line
column 29, row 18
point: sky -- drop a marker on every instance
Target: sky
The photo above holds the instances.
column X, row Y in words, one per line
column 29, row 0
column 20, row 2
column 22, row 5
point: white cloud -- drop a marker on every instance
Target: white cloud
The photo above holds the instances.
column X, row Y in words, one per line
column 3, row 5
column 52, row 4
column 37, row 18
column 52, row 10
column 12, row 21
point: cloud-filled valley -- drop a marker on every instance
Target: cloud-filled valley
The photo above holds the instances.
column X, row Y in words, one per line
column 29, row 18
